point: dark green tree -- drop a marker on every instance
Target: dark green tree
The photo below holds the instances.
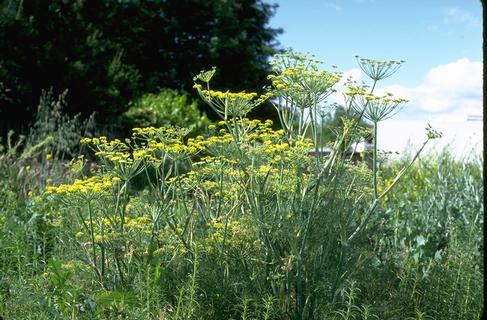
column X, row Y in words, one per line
column 107, row 53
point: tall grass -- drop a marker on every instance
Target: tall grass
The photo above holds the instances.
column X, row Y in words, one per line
column 436, row 224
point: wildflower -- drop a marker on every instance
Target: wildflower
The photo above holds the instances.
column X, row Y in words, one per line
column 205, row 76
column 378, row 70
column 93, row 185
column 432, row 133
column 264, row 170
column 85, row 140
column 377, row 108
column 230, row 103
column 227, row 103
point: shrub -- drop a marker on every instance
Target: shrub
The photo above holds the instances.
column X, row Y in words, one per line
column 167, row 108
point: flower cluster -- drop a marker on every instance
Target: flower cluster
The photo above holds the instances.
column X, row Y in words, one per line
column 230, row 104
column 161, row 134
column 378, row 70
column 205, row 76
column 375, row 108
column 95, row 184
column 114, row 150
column 298, row 80
column 234, row 234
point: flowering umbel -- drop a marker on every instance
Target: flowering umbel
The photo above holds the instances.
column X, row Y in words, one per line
column 376, row 108
column 378, row 70
column 227, row 104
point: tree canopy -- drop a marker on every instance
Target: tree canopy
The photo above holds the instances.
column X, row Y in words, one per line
column 106, row 53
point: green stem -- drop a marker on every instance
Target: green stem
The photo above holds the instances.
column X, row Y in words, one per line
column 376, row 200
column 374, row 168
column 118, row 206
column 102, row 250
column 92, row 233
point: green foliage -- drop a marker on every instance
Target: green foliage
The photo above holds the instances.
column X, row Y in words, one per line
column 167, row 108
column 31, row 230
column 108, row 53
column 240, row 223
column 62, row 132
column 435, row 235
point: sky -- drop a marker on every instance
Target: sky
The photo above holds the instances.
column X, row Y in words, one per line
column 440, row 40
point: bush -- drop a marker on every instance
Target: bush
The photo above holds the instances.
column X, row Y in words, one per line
column 168, row 107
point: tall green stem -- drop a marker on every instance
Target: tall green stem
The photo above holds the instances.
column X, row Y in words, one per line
column 374, row 169
column 92, row 234
column 384, row 193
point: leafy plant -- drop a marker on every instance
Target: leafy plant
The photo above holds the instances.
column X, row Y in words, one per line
column 244, row 222
column 167, row 108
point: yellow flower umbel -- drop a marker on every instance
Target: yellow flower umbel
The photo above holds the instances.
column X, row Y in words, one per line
column 298, row 84
column 116, row 155
column 115, row 151
column 298, row 80
column 376, row 108
column 93, row 185
column 227, row 104
column 158, row 143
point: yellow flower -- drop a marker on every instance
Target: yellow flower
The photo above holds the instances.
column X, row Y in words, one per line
column 95, row 184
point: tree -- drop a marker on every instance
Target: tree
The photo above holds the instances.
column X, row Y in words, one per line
column 107, row 53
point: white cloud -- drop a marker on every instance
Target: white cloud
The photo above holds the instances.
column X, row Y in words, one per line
column 449, row 88
column 445, row 88
column 455, row 14
column 446, row 96
column 460, row 137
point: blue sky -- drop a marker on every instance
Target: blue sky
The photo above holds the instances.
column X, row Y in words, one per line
column 441, row 41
